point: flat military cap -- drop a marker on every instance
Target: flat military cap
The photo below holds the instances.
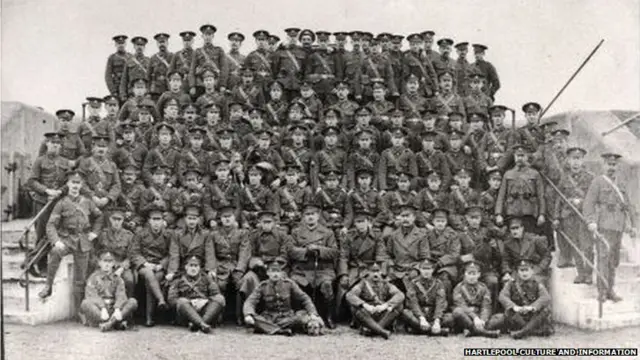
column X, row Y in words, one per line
column 221, row 159
column 307, row 32
column 364, row 171
column 472, row 265
column 404, row 175
column 110, row 99
column 154, row 212
column 100, row 140
column 440, row 212
column 298, row 127
column 497, row 109
column 292, row 31
column 330, row 130
column 139, row 80
column 263, row 134
column 561, row 132
column 161, row 37
column 429, row 135
column 197, row 130
column 130, row 168
column 139, row 40
column 476, row 76
column 433, row 173
column 476, row 116
column 225, row 131
column 246, row 72
column 367, row 36
column 456, row 135
column 190, row 107
column 226, row 209
column 120, row 39
column 65, row 114
column 378, row 85
column 192, row 171
column 95, row 102
column 462, row 45
column 193, row 260
column 340, row 35
column 610, row 156
column 106, row 255
column 355, row 35
column 192, row 210
column 397, row 38
column 364, row 132
column 412, row 77
column 266, row 214
column 275, row 266
column 514, row 221
column 305, row 85
column 362, row 213
column 525, row 263
column 273, row 39
column 331, row 111
column 208, row 28
column 494, row 174
column 187, row 35
column 363, row 110
column 445, row 73
column 256, row 111
column 74, row 175
column 127, row 126
column 323, row 35
column 165, row 126
column 576, row 150
column 549, row 124
column 474, row 208
column 531, row 107
column 445, row 42
column 236, row 36
column 398, row 132
column 310, row 206
column 116, row 210
column 479, row 48
column 520, row 149
column 384, row 36
column 462, row 172
column 395, row 112
column 424, row 264
column 54, row 136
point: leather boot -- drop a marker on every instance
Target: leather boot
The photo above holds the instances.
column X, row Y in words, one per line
column 493, row 334
column 149, row 309
column 389, row 318
column 190, row 314
column 530, row 327
column 368, row 322
column 212, row 311
column 328, row 314
column 410, row 320
column 52, row 269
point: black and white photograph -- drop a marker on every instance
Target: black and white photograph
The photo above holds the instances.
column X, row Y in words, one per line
column 320, row 179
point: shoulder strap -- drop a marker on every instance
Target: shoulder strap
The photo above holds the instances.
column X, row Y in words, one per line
column 293, row 59
column 615, row 188
column 139, row 64
column 162, row 59
column 208, row 60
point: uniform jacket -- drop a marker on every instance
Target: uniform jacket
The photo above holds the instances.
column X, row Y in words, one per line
column 102, row 177
column 531, row 247
column 375, row 293
column 359, row 251
column 187, row 243
column 105, row 290
column 524, row 293
column 413, row 63
column 392, row 161
column 485, row 243
column 575, row 187
column 406, row 251
column 264, row 246
column 159, row 65
column 117, row 242
column 136, row 67
column 48, row 172
column 71, row 220
column 201, row 286
column 604, row 206
column 487, row 69
column 477, row 102
column 445, row 250
column 473, row 299
column 208, row 57
column 302, row 263
column 150, row 247
column 521, row 193
column 219, row 194
column 114, row 69
column 426, row 297
column 227, row 245
column 276, row 298
column 360, row 200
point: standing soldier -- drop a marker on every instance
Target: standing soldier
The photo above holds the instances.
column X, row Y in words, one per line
column 608, row 209
column 443, row 62
column 102, row 174
column 136, row 67
column 260, row 61
column 116, row 64
column 322, row 68
column 181, row 60
column 94, row 125
column 273, row 42
column 375, row 67
column 289, row 67
column 447, row 100
column 208, row 56
column 463, row 69
column 71, row 147
column 352, row 60
column 574, row 186
column 531, row 134
column 476, row 100
column 396, row 55
column 428, row 52
column 159, row 67
column 487, row 70
column 413, row 63
column 74, row 223
column 234, row 59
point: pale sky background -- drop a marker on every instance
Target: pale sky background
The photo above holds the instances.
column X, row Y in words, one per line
column 54, row 52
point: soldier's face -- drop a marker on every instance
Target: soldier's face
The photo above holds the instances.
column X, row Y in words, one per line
column 330, row 139
column 428, row 144
column 175, row 83
column 397, row 121
column 247, row 79
column 295, row 114
column 340, row 43
column 516, row 230
column 378, row 94
column 190, row 116
column 532, row 117
column 139, row 48
column 64, row 125
column 440, row 223
column 446, row 82
column 407, row 218
column 129, row 177
column 494, row 183
column 94, row 111
column 74, row 185
column 611, row 166
column 213, row 117
column 306, row 40
column 139, row 89
column 434, row 183
column 479, row 55
column 222, row 172
column 298, row 138
column 520, row 158
column 397, row 141
column 471, row 276
column 412, row 86
column 164, row 137
column 191, row 221
column 192, row 268
column 267, row 224
column 426, row 272
column 428, row 42
column 306, row 92
column 476, row 85
column 171, row 111
column 275, row 93
column 463, row 181
column 455, row 143
column 162, row 44
column 264, row 143
column 196, row 142
column 187, row 44
column 498, row 119
column 159, row 177
column 235, row 44
column 120, row 46
column 112, row 109
column 225, row 142
column 53, row 147
column 462, row 52
column 262, row 43
column 386, row 44
column 362, row 224
column 474, row 220
column 364, row 180
column 365, row 44
column 311, row 217
column 236, row 112
column 525, row 272
column 445, row 50
column 364, row 142
column 255, row 178
column 207, row 37
column 323, row 44
column 403, row 184
column 331, row 183
column 375, row 274
column 227, row 219
column 292, row 177
column 99, row 150
column 475, row 125
column 363, row 119
column 156, row 222
column 415, row 46
column 116, row 221
column 209, row 82
column 275, row 275
column 106, row 265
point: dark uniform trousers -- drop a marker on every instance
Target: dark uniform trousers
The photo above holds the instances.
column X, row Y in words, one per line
column 608, row 259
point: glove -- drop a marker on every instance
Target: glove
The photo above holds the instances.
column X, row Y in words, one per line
column 593, row 227
column 104, row 314
column 117, row 314
column 249, row 320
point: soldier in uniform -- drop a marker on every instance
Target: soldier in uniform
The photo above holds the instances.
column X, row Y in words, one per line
column 131, row 106
column 150, row 258
column 194, row 156
column 288, row 64
column 136, row 67
column 375, row 302
column 130, row 149
column 527, row 304
column 463, row 68
column 160, row 194
column 255, row 197
column 298, row 153
column 260, row 61
column 363, row 197
column 362, row 156
column 426, row 303
column 431, row 158
column 486, row 69
column 443, row 62
column 476, row 100
column 395, row 55
column 322, row 68
column 95, row 125
column 313, row 254
column 106, row 302
column 47, row 181
column 264, row 245
column 428, row 52
column 130, row 196
column 221, row 192
column 447, row 100
column 374, row 67
column 74, row 223
column 520, row 244
column 196, row 297
column 159, row 66
column 395, row 160
column 276, row 105
column 115, row 65
column 290, row 197
column 343, row 104
column 249, row 92
column 278, row 296
column 192, row 240
column 181, row 60
column 444, row 249
column 102, row 175
column 412, row 103
column 574, row 185
column 164, row 154
column 458, row 157
column 433, row 196
column 330, row 158
column 380, row 106
column 531, row 134
column 234, row 59
column 71, row 146
column 208, row 56
column 609, row 212
column 461, row 196
column 394, row 199
column 472, row 305
column 117, row 241
column 521, row 193
column 413, row 63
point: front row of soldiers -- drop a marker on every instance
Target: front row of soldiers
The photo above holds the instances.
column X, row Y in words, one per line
column 409, row 276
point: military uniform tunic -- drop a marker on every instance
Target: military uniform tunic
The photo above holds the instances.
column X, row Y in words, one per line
column 113, row 72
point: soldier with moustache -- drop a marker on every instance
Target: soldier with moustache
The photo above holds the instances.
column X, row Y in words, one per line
column 261, row 61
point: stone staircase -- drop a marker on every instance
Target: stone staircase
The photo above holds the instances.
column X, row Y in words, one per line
column 56, row 308
column 577, row 304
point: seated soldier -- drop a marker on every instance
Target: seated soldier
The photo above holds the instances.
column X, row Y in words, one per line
column 444, row 246
column 196, row 297
column 394, row 200
column 150, row 257
column 313, row 255
column 472, row 305
column 433, row 196
column 426, row 303
column 106, row 303
column 277, row 296
column 117, row 241
column 520, row 245
column 190, row 241
column 264, row 245
column 527, row 304
column 362, row 247
column 375, row 302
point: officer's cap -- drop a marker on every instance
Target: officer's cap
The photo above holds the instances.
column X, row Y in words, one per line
column 161, row 37
column 525, row 263
column 398, row 132
column 440, row 213
column 192, row 171
column 427, row 33
column 273, row 39
column 139, row 40
column 340, row 35
column 531, row 107
column 187, row 35
column 397, row 38
column 445, row 42
column 116, row 211
column 208, row 28
column 74, row 175
column 494, row 174
column 292, row 31
column 456, row 135
column 235, row 36
column 462, row 45
column 193, row 260
column 323, row 35
column 266, row 214
column 471, row 265
column 610, row 156
column 192, row 210
column 364, row 171
column 497, row 109
column 165, row 126
column 473, row 209
column 65, row 114
column 110, row 99
column 477, row 117
column 455, row 115
column 478, row 48
column 331, row 130
column 576, row 150
column 100, row 140
column 54, row 136
column 120, row 39
column 95, row 102
column 106, row 255
column 307, row 32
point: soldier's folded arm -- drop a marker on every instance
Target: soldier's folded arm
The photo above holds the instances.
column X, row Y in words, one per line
column 353, row 295
column 505, row 297
column 543, row 300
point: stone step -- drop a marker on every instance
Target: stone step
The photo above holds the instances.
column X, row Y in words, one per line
column 625, row 271
column 12, row 230
column 625, row 288
column 590, row 307
column 11, row 261
column 613, row 321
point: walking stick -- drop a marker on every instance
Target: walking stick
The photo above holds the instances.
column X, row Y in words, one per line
column 575, row 73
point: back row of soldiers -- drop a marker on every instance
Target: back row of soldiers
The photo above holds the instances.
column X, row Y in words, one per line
column 351, row 202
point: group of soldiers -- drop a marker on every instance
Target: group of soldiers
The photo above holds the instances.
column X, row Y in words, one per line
column 306, row 184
